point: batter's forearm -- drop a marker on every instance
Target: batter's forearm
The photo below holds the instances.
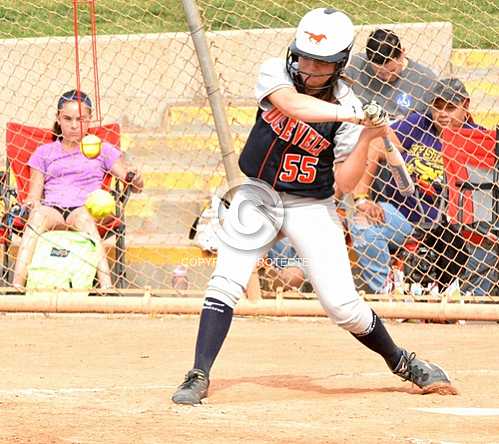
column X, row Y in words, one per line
column 314, row 110
column 310, row 109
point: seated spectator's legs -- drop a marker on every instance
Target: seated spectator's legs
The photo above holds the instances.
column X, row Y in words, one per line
column 41, row 219
column 287, row 264
column 481, row 274
column 446, row 254
column 372, row 244
column 82, row 221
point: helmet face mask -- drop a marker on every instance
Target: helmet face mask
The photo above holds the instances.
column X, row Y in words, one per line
column 325, row 35
column 300, row 77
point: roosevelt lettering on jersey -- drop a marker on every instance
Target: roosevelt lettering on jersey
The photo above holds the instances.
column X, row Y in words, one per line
column 305, row 137
column 288, row 129
column 275, row 118
column 292, row 156
column 300, row 130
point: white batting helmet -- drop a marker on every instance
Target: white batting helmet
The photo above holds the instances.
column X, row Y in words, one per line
column 324, row 34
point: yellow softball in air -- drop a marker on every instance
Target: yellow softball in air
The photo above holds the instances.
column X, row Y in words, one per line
column 100, row 203
column 90, row 146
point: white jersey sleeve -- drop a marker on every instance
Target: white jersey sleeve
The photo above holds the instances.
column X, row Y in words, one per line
column 273, row 76
column 347, row 134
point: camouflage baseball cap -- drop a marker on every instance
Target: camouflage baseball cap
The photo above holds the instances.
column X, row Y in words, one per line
column 450, row 90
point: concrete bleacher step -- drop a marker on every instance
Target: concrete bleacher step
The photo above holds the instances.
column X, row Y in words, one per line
column 172, row 161
column 191, row 180
column 160, row 213
column 186, row 115
column 181, row 172
column 479, row 70
column 190, row 141
column 475, row 60
column 157, row 240
column 155, row 266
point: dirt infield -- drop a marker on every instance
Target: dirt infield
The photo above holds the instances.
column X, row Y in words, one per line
column 108, row 379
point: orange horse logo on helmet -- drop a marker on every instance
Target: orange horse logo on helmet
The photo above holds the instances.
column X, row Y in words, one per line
column 317, row 38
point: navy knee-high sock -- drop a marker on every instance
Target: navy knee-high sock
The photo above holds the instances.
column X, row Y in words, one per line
column 214, row 325
column 379, row 340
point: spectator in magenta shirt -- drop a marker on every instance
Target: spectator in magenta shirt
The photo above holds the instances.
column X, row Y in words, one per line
column 62, row 178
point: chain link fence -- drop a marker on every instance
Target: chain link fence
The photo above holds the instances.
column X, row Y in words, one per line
column 150, row 83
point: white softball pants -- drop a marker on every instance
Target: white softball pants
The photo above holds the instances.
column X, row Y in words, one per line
column 315, row 231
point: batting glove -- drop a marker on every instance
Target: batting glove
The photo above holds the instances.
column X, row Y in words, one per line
column 374, row 115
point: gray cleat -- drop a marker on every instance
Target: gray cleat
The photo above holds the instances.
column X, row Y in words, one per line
column 193, row 389
column 429, row 377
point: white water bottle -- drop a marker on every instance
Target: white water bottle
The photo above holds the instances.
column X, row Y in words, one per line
column 179, row 278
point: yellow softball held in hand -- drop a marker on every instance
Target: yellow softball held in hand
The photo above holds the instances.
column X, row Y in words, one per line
column 91, row 146
column 100, row 203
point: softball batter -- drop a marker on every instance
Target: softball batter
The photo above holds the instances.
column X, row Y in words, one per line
column 307, row 140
